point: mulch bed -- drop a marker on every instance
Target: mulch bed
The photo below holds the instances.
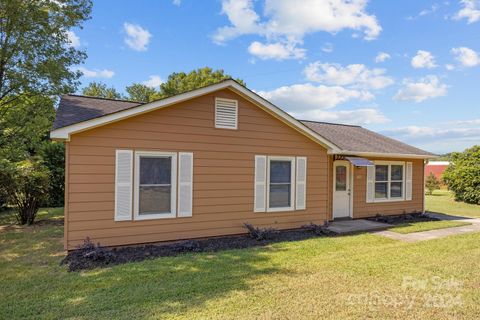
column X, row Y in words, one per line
column 90, row 256
column 403, row 218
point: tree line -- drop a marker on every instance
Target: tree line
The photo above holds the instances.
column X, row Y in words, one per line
column 36, row 67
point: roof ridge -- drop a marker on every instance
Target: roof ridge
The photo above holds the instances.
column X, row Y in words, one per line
column 102, row 98
column 332, row 123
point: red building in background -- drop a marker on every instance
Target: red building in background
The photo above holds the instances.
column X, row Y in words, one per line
column 436, row 167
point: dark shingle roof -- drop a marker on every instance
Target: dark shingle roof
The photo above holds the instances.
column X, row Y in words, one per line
column 74, row 109
column 358, row 139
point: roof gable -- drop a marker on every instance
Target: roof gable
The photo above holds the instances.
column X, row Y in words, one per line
column 79, row 113
column 125, row 111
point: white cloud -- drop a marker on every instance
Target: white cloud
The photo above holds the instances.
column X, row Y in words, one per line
column 426, row 88
column 243, row 18
column 288, row 21
column 73, row 39
column 466, row 56
column 354, row 75
column 382, row 57
column 423, row 59
column 449, row 67
column 308, row 97
column 277, row 51
column 424, row 134
column 327, row 47
column 177, row 2
column 467, row 122
column 425, row 12
column 470, row 11
column 154, row 81
column 96, row 73
column 361, row 116
column 137, row 37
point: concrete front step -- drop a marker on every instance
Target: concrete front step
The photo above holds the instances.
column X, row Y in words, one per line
column 354, row 226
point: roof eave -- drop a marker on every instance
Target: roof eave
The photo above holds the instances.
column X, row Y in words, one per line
column 384, row 155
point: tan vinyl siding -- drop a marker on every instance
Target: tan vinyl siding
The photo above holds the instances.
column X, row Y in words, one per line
column 223, row 173
column 362, row 209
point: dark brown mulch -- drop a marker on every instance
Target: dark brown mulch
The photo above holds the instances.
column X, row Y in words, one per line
column 90, row 256
column 403, row 218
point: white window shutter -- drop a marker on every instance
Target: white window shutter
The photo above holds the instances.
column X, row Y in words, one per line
column 185, row 184
column 408, row 181
column 301, row 184
column 260, row 183
column 226, row 113
column 370, row 184
column 123, row 185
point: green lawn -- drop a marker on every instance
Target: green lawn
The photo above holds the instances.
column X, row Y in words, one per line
column 426, row 226
column 442, row 201
column 357, row 276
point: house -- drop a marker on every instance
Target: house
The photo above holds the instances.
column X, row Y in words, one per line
column 202, row 163
column 437, row 168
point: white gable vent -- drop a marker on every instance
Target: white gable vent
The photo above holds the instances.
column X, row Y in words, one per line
column 226, row 113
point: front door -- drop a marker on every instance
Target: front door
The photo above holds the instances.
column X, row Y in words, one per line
column 341, row 189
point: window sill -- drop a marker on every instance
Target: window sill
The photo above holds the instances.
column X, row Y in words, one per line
column 389, row 200
column 284, row 209
column 155, row 216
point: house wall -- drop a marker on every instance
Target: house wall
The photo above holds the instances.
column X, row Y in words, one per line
column 223, row 187
column 362, row 209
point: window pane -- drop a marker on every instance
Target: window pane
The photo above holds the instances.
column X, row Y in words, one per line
column 381, row 190
column 396, row 190
column 341, row 178
column 397, row 172
column 280, row 171
column 381, row 173
column 155, row 170
column 154, row 200
column 279, row 195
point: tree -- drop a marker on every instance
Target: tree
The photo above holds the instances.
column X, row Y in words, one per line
column 432, row 183
column 24, row 128
column 26, row 185
column 53, row 156
column 462, row 176
column 36, row 55
column 141, row 93
column 100, row 90
column 183, row 82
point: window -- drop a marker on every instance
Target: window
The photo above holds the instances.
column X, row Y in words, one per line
column 226, row 113
column 280, row 183
column 389, row 181
column 341, row 178
column 155, row 185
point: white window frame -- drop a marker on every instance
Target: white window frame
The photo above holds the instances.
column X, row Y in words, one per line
column 292, row 183
column 236, row 114
column 389, row 181
column 173, row 194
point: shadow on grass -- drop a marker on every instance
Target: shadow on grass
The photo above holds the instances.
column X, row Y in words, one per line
column 169, row 285
column 34, row 285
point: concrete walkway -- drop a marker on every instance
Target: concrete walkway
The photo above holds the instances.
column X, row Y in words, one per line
column 354, row 226
column 435, row 234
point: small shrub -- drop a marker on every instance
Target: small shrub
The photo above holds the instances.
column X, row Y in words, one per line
column 319, row 230
column 260, row 234
column 88, row 255
column 25, row 185
column 431, row 183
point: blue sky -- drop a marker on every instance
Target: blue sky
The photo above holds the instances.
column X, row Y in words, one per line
column 408, row 69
